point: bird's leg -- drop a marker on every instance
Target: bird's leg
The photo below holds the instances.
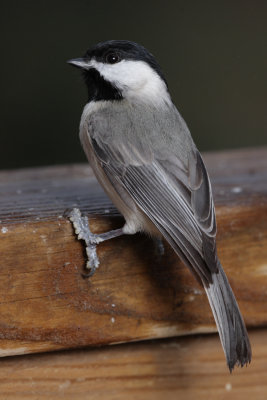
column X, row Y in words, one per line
column 82, row 230
column 159, row 246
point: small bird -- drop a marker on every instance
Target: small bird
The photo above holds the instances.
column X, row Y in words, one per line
column 143, row 155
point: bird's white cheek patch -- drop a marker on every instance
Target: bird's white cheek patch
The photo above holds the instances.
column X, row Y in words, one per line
column 134, row 78
column 132, row 74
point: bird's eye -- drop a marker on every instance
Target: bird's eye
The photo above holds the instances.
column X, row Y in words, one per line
column 112, row 58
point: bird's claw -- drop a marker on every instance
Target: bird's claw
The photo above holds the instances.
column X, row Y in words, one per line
column 82, row 230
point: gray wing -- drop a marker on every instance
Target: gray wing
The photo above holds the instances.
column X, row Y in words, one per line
column 171, row 207
column 169, row 183
column 172, row 187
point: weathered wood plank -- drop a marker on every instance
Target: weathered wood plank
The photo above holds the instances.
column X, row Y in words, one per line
column 45, row 304
column 186, row 368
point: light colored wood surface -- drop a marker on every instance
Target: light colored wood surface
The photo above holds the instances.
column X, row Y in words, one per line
column 45, row 304
column 184, row 368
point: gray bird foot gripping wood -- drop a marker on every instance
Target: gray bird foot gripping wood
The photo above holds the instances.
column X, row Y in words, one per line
column 82, row 230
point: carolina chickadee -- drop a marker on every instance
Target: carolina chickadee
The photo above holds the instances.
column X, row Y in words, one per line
column 143, row 155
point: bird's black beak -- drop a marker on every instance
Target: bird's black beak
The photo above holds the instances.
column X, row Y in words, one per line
column 82, row 63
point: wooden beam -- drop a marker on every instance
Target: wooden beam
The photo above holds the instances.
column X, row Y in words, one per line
column 45, row 304
column 185, row 368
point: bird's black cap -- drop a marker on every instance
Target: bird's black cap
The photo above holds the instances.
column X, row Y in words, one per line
column 127, row 50
column 98, row 87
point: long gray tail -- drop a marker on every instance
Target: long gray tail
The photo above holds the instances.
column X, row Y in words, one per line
column 229, row 321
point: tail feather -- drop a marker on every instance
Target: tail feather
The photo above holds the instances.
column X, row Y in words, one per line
column 229, row 321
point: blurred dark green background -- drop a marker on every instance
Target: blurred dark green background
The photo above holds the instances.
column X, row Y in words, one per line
column 213, row 53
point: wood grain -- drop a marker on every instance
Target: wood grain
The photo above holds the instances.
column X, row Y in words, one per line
column 45, row 304
column 186, row 368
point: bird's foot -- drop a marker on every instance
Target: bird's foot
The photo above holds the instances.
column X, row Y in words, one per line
column 83, row 232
